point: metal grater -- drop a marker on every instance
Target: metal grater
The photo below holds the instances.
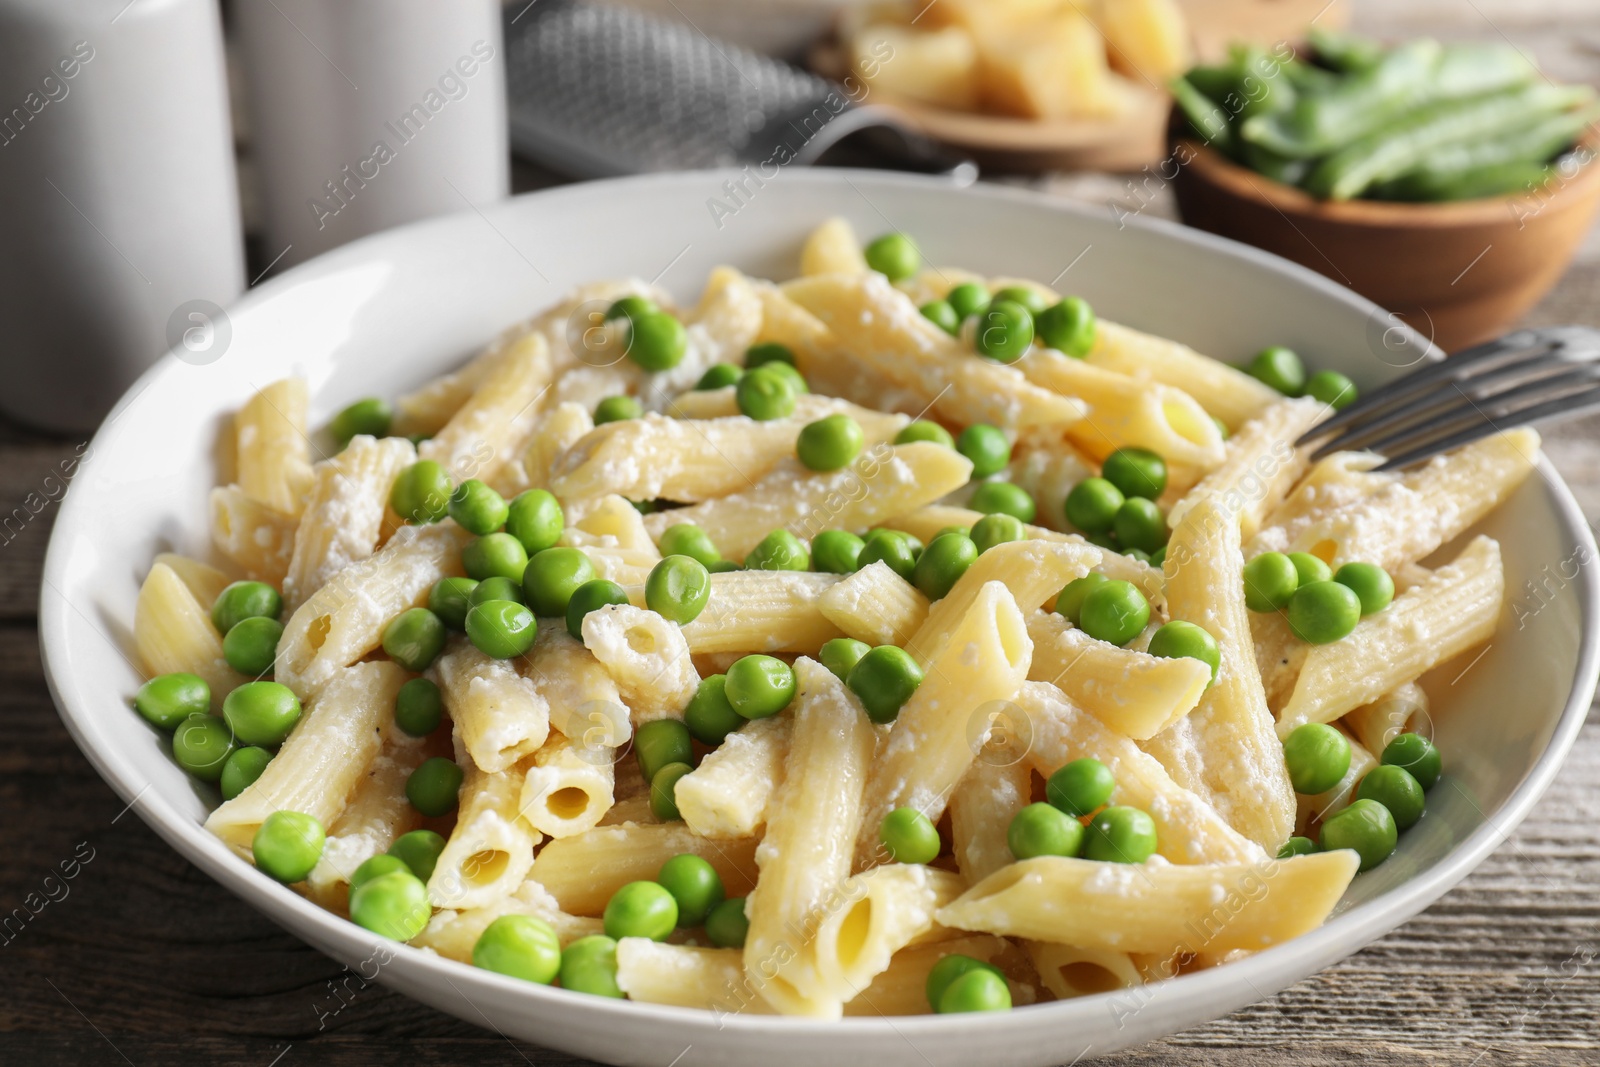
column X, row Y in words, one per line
column 597, row 91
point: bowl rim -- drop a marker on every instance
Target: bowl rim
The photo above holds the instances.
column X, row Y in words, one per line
column 1187, row 998
column 1212, row 167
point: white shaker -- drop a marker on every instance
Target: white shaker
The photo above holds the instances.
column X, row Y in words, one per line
column 367, row 114
column 119, row 205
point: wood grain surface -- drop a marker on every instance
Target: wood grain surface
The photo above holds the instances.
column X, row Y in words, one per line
column 141, row 959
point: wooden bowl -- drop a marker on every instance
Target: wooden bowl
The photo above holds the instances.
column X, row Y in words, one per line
column 1459, row 273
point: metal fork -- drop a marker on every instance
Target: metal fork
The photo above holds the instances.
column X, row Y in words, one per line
column 1524, row 377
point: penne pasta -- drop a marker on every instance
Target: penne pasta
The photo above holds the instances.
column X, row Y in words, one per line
column 1155, row 908
column 453, row 934
column 832, row 248
column 568, row 788
column 687, row 976
column 647, row 656
column 272, row 451
column 1378, row 723
column 762, row 611
column 172, row 632
column 490, row 848
column 1032, row 571
column 1070, row 971
column 997, row 786
column 889, row 908
column 875, row 605
column 258, row 538
column 499, row 716
column 484, row 432
column 1259, row 465
column 1231, row 395
column 584, row 870
column 730, row 792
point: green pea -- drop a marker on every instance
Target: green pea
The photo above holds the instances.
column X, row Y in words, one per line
column 414, row 639
column 718, row 376
column 244, row 600
column 788, row 373
column 723, row 566
column 552, row 576
column 1270, row 581
column 657, row 341
column 894, row 255
column 909, row 836
column 1093, row 505
column 645, row 507
column 1115, row 612
column 1395, row 789
column 1068, row 327
column 841, row 654
column 768, row 352
column 419, row 707
column 1140, row 524
column 836, row 552
column 1030, row 298
column 883, row 680
column 1121, row 835
column 589, row 965
column 1137, row 472
column 1332, row 388
column 664, row 792
column 780, row 550
column 764, row 394
column 947, row 970
column 1107, row 541
column 1080, row 787
column 1416, row 754
column 830, row 443
column 617, row 409
column 201, row 744
column 943, row 316
column 1296, row 846
column 996, row 529
column 687, row 539
column 893, row 547
column 709, row 716
column 943, row 563
column 1280, row 368
column 167, row 699
column 421, row 493
column 536, row 520
column 1137, row 553
column 1158, row 558
column 968, row 299
column 371, row 416
column 478, row 509
column 592, row 596
column 977, row 990
column 522, row 946
column 660, row 742
column 678, row 589
column 242, row 768
column 1318, row 757
column 1370, row 583
column 1069, row 602
column 987, row 447
column 759, row 687
column 450, row 598
column 641, row 909
column 1043, row 830
column 1005, row 331
column 375, row 867
column 1179, row 640
column 261, row 713
column 1323, row 612
column 494, row 589
column 727, row 924
column 631, row 307
column 694, row 884
column 923, row 430
column 1003, row 498
column 1365, row 826
column 433, row 786
column 1309, row 568
column 287, row 845
column 393, row 905
column 420, row 850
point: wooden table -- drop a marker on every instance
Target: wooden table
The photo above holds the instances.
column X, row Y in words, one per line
column 142, row 959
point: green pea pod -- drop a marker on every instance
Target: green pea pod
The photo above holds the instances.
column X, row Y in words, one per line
column 1501, row 179
column 1262, row 88
column 1309, row 80
column 1205, row 116
column 1535, row 143
column 1345, row 51
column 1472, row 67
column 1361, row 103
column 1266, row 162
column 1215, row 81
column 1400, row 147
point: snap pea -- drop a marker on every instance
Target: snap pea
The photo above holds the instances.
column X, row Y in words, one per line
column 1394, row 149
column 1205, row 115
column 1434, row 186
column 1532, row 144
column 1344, row 51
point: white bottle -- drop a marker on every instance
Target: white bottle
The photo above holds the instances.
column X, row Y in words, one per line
column 119, row 204
column 367, row 114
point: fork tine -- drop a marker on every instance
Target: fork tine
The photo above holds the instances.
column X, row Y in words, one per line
column 1398, row 390
column 1540, row 374
column 1574, row 403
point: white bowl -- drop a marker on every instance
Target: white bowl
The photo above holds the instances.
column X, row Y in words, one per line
column 383, row 314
